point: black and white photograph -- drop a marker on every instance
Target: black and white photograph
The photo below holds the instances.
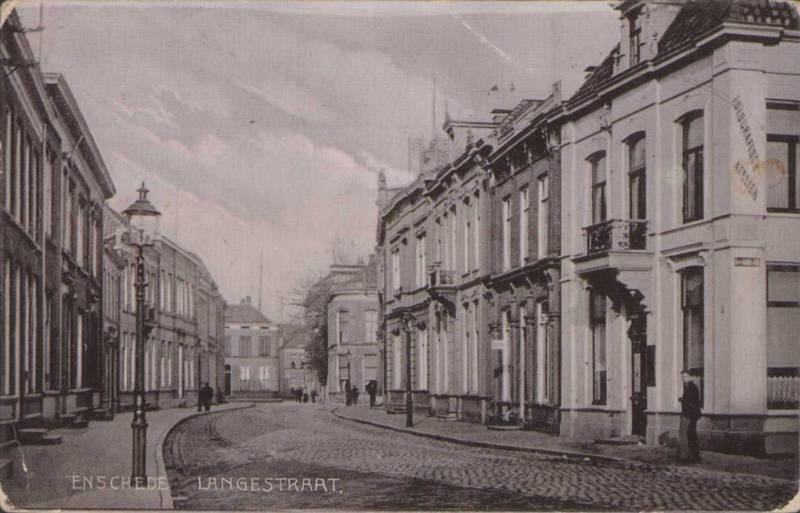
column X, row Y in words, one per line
column 404, row 255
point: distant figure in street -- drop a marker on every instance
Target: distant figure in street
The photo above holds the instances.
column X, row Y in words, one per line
column 690, row 414
column 305, row 395
column 314, row 395
column 354, row 394
column 298, row 394
column 348, row 396
column 292, row 393
column 372, row 390
column 206, row 396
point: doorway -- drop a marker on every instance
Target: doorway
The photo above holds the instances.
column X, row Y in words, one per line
column 227, row 380
column 639, row 365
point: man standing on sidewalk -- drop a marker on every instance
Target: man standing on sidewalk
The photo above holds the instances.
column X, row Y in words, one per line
column 690, row 414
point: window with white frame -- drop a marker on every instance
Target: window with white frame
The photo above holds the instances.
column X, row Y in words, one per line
column 524, row 213
column 543, row 215
column 507, row 233
column 474, row 349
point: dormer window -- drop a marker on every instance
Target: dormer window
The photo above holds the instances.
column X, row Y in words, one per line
column 634, row 36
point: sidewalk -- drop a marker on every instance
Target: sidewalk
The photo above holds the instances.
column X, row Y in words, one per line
column 477, row 435
column 58, row 475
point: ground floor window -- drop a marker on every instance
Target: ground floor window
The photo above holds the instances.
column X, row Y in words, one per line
column 542, row 353
column 783, row 341
column 597, row 324
column 422, row 359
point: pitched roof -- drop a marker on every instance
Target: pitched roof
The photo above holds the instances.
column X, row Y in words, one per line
column 602, row 73
column 695, row 20
column 244, row 314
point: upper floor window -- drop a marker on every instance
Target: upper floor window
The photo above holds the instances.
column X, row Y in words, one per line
column 635, row 36
column 637, row 182
column 420, row 262
column 543, row 214
column 370, row 326
column 264, row 346
column 507, row 233
column 524, row 211
column 395, row 269
column 692, row 168
column 598, row 163
column 453, row 235
column 342, row 321
column 476, row 227
column 783, row 188
column 467, row 235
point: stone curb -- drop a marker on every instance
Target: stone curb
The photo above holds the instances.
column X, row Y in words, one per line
column 485, row 445
column 161, row 468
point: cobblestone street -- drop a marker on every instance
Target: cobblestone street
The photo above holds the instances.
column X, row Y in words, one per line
column 379, row 469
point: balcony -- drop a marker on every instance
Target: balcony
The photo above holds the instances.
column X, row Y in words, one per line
column 442, row 285
column 438, row 277
column 616, row 235
column 616, row 250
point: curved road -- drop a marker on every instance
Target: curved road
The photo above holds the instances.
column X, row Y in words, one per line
column 290, row 455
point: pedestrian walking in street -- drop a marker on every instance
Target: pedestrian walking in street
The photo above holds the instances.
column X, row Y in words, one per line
column 314, row 395
column 354, row 393
column 207, row 395
column 292, row 393
column 689, row 451
column 305, row 395
column 372, row 390
column 348, row 396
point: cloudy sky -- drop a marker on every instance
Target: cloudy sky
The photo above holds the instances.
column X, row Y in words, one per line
column 261, row 126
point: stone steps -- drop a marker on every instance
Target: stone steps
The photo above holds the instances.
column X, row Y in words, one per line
column 449, row 417
column 37, row 436
column 620, row 440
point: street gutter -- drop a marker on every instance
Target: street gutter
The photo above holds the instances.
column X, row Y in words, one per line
column 486, row 445
column 165, row 496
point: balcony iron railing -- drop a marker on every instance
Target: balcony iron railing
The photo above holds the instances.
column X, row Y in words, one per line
column 616, row 235
column 438, row 277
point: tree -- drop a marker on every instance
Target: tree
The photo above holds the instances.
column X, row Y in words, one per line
column 315, row 318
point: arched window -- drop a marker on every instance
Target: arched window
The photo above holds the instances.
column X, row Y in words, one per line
column 598, row 166
column 692, row 160
column 637, row 183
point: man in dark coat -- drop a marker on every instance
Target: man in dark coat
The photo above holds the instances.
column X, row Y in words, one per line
column 690, row 414
column 207, row 395
column 372, row 390
column 348, row 396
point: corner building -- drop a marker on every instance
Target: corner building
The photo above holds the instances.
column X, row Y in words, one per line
column 679, row 188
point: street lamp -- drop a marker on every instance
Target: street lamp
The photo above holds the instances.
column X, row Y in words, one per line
column 408, row 320
column 143, row 219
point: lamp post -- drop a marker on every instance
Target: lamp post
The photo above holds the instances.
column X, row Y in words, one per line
column 408, row 319
column 143, row 219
